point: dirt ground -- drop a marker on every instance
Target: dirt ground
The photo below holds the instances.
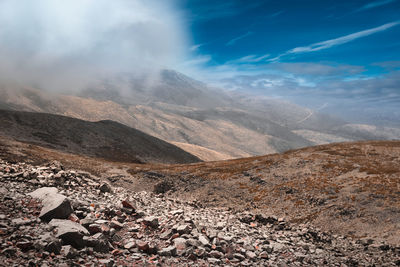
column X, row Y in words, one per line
column 347, row 188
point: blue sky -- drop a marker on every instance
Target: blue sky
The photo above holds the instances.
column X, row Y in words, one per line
column 316, row 53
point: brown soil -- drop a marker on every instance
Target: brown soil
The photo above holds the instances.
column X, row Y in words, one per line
column 347, row 188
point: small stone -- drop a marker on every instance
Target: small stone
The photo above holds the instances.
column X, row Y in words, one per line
column 24, row 245
column 239, row 256
column 168, row 251
column 116, row 225
column 143, row 246
column 151, row 221
column 250, row 255
column 94, row 228
column 165, row 235
column 204, row 241
column 264, row 255
column 183, row 229
column 127, row 204
column 69, row 252
column 106, row 262
column 98, row 242
column 180, row 243
column 216, row 254
column 105, row 188
column 130, row 245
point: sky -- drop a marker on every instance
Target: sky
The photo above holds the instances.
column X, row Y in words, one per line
column 335, row 56
column 340, row 57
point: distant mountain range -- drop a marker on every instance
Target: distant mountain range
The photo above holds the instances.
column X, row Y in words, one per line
column 209, row 123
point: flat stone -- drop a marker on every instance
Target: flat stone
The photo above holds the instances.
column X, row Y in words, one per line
column 204, row 241
column 55, row 206
column 70, row 232
column 168, row 251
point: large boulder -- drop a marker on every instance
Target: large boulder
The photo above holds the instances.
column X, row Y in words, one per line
column 70, row 233
column 55, row 205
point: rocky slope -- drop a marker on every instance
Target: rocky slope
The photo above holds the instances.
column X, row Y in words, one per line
column 56, row 217
column 106, row 139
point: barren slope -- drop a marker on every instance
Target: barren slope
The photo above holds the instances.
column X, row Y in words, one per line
column 349, row 188
column 106, row 139
column 354, row 185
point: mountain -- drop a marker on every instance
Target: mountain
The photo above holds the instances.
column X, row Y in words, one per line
column 177, row 109
column 105, row 139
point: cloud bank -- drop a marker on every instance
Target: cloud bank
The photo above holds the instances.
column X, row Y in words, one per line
column 62, row 45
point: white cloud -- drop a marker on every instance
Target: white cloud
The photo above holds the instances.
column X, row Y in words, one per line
column 234, row 40
column 376, row 4
column 196, row 47
column 55, row 43
column 249, row 59
column 335, row 42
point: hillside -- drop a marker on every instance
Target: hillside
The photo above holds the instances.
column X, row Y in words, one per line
column 105, row 139
column 356, row 185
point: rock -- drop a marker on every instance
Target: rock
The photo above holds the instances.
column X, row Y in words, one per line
column 151, row 221
column 168, row 251
column 43, row 193
column 70, row 233
column 69, row 252
column 204, row 241
column 220, row 225
column 239, row 256
column 94, row 228
column 98, row 242
column 116, row 225
column 216, row 254
column 127, row 204
column 264, row 255
column 165, row 235
column 49, row 243
column 24, row 245
column 53, row 246
column 55, row 206
column 106, row 262
column 130, row 245
column 9, row 251
column 183, row 229
column 250, row 255
column 142, row 245
column 19, row 222
column 180, row 243
column 105, row 188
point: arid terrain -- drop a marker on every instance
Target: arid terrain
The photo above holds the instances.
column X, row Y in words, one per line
column 354, row 185
column 104, row 139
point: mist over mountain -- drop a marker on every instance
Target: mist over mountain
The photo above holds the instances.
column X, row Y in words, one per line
column 181, row 110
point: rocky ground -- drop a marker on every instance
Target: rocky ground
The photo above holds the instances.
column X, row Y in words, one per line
column 55, row 217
